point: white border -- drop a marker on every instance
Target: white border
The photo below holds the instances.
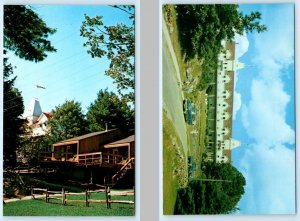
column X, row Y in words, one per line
column 297, row 91
column 137, row 215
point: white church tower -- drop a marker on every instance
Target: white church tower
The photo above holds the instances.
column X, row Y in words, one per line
column 33, row 112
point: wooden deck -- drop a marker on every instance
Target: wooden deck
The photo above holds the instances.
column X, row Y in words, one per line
column 88, row 159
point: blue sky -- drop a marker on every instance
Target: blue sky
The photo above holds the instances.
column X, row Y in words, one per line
column 70, row 73
column 264, row 113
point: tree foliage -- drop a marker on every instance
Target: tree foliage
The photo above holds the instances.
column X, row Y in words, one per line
column 31, row 147
column 202, row 27
column 117, row 43
column 110, row 109
column 12, row 110
column 212, row 197
column 26, row 33
column 67, row 121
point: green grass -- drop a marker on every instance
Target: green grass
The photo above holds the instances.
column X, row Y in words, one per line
column 54, row 208
column 170, row 180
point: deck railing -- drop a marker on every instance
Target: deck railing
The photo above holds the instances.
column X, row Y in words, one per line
column 100, row 158
column 96, row 158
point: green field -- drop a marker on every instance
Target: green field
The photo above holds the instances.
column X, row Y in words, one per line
column 174, row 166
column 54, row 208
column 179, row 139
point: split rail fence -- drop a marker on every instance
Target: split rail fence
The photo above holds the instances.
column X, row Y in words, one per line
column 62, row 196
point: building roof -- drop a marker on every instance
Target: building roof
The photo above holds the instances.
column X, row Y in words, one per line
column 75, row 139
column 34, row 108
column 228, row 154
column 230, row 45
column 48, row 115
column 124, row 141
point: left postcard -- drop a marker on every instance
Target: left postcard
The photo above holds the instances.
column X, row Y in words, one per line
column 69, row 110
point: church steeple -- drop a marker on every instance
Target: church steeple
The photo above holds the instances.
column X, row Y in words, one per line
column 34, row 111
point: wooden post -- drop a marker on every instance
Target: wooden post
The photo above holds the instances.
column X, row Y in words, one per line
column 65, row 198
column 134, row 196
column 87, row 198
column 46, row 199
column 108, row 197
column 32, row 193
column 63, row 201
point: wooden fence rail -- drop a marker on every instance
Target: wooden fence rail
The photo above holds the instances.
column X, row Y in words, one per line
column 62, row 196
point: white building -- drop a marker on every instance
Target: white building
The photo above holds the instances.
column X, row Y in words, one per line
column 220, row 107
column 36, row 119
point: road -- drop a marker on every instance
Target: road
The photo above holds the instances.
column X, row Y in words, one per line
column 172, row 93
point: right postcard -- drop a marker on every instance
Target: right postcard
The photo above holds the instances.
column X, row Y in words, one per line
column 228, row 118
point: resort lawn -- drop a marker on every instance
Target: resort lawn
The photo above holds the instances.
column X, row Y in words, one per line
column 40, row 208
column 170, row 163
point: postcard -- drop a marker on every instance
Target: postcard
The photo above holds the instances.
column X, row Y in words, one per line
column 69, row 110
column 228, row 118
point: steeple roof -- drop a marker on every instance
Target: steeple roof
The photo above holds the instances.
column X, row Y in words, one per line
column 34, row 108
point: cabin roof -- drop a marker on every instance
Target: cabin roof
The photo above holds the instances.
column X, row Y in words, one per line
column 126, row 140
column 82, row 137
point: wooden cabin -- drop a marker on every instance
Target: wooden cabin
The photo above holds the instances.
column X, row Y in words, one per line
column 104, row 148
column 124, row 147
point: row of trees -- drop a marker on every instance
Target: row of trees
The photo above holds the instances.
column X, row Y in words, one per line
column 217, row 193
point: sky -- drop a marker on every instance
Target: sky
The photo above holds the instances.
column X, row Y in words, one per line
column 264, row 117
column 70, row 73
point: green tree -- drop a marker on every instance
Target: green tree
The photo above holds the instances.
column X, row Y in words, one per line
column 111, row 110
column 217, row 193
column 202, row 27
column 12, row 110
column 31, row 147
column 117, row 43
column 26, row 33
column 67, row 121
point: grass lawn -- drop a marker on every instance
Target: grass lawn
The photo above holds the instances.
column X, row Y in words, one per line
column 54, row 208
column 173, row 176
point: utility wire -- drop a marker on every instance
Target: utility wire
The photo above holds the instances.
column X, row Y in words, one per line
column 51, row 82
column 57, row 89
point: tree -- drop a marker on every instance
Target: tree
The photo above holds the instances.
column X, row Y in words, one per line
column 67, row 121
column 12, row 110
column 202, row 27
column 31, row 147
column 117, row 43
column 218, row 193
column 111, row 110
column 26, row 33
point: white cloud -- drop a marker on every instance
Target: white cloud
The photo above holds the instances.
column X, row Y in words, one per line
column 242, row 45
column 268, row 192
column 241, row 48
column 268, row 164
column 237, row 103
column 266, row 113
